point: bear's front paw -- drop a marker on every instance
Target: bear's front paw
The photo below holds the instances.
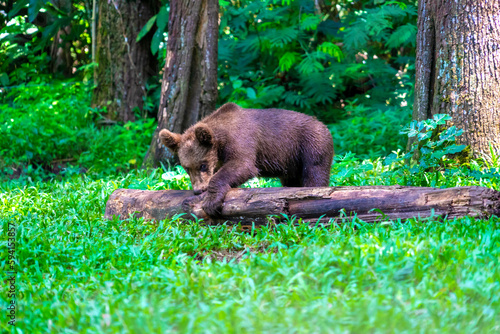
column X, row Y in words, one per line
column 189, row 203
column 212, row 205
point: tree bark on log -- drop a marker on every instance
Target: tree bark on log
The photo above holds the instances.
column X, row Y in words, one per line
column 263, row 205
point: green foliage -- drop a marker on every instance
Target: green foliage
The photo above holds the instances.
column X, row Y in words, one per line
column 370, row 133
column 161, row 20
column 433, row 150
column 48, row 125
column 330, row 59
column 347, row 62
column 118, row 148
column 314, row 59
column 42, row 122
column 18, row 61
column 433, row 142
column 34, row 29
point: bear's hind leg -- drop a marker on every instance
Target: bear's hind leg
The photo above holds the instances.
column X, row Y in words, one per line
column 291, row 181
column 316, row 176
column 316, row 172
column 317, row 157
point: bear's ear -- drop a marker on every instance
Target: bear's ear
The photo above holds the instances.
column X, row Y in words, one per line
column 204, row 135
column 170, row 139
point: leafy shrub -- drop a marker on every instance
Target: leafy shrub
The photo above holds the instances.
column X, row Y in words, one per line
column 19, row 63
column 43, row 123
column 432, row 151
column 311, row 56
column 370, row 133
column 46, row 125
column 32, row 31
column 117, row 148
column 433, row 144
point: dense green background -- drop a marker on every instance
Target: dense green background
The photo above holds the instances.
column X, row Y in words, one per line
column 352, row 67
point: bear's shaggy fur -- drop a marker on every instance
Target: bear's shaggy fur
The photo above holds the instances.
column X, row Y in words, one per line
column 234, row 144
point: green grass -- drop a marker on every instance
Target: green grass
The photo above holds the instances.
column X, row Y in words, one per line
column 78, row 273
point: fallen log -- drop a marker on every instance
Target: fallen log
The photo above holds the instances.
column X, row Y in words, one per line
column 262, row 205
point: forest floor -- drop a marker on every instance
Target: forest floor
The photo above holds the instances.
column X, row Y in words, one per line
column 79, row 273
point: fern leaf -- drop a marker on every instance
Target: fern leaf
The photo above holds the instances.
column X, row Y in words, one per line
column 297, row 99
column 249, row 44
column 411, row 10
column 393, row 11
column 356, row 36
column 332, row 50
column 377, row 21
column 266, row 95
column 281, row 37
column 310, row 22
column 319, row 88
column 310, row 64
column 403, row 35
column 288, row 60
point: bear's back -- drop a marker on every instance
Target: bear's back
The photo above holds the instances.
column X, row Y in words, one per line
column 263, row 123
column 276, row 138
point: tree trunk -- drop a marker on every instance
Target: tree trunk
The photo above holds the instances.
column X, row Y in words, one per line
column 189, row 85
column 124, row 64
column 261, row 205
column 458, row 68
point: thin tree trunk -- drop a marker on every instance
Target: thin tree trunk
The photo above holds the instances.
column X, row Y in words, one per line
column 189, row 85
column 458, row 68
column 60, row 50
column 261, row 205
column 124, row 64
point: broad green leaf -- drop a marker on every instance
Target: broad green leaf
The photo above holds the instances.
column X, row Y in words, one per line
column 17, row 7
column 157, row 39
column 4, row 79
column 237, row 84
column 441, row 118
column 392, row 158
column 146, row 29
column 162, row 18
column 251, row 93
column 33, row 9
column 454, row 149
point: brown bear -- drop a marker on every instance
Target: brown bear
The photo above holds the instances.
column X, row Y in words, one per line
column 234, row 144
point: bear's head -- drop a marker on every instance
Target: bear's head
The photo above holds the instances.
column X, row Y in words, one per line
column 197, row 152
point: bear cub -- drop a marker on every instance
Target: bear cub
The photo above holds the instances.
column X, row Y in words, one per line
column 235, row 144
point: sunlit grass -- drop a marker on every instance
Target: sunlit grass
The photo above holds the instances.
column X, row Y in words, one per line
column 78, row 273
